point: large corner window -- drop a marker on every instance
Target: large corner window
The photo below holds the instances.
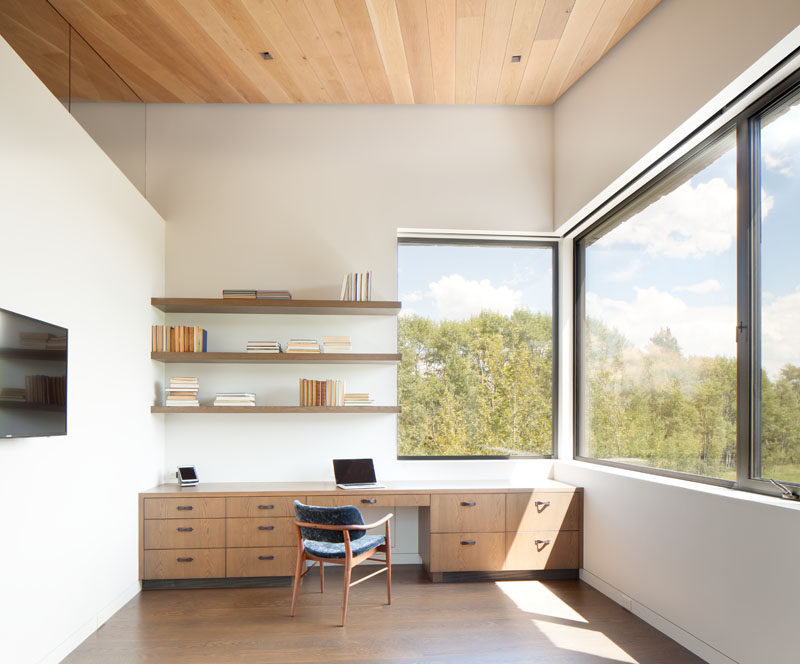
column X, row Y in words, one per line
column 476, row 334
column 688, row 312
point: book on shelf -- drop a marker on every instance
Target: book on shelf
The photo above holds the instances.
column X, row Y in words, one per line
column 273, row 295
column 237, row 294
column 179, row 339
column 357, row 399
column 356, row 287
column 17, row 394
column 227, row 399
column 327, row 392
column 182, row 391
column 337, row 344
column 42, row 341
column 45, row 390
column 255, row 294
column 263, row 347
column 303, row 346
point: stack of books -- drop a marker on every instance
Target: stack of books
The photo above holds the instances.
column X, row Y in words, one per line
column 182, row 391
column 357, row 399
column 238, row 294
column 303, row 346
column 321, row 392
column 57, row 343
column 178, row 339
column 16, row 394
column 255, row 294
column 235, row 399
column 34, row 340
column 263, row 347
column 337, row 344
column 357, row 287
column 273, row 295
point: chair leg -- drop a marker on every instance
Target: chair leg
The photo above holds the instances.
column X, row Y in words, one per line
column 321, row 576
column 388, row 567
column 346, row 594
column 298, row 572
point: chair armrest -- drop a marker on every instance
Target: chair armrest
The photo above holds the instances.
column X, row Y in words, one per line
column 327, row 526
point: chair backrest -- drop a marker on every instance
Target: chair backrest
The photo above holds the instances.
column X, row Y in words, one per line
column 348, row 515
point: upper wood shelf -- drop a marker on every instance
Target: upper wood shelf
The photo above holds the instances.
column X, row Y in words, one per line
column 278, row 358
column 199, row 305
column 274, row 409
column 34, row 354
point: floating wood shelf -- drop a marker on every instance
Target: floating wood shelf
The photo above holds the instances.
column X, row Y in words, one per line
column 196, row 305
column 24, row 405
column 278, row 358
column 275, row 409
column 34, row 354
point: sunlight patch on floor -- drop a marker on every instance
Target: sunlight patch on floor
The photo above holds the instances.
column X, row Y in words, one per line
column 582, row 639
column 534, row 597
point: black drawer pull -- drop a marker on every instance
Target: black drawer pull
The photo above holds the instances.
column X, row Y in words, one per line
column 543, row 503
column 266, row 557
column 468, row 542
column 369, row 501
column 468, row 503
column 266, row 507
column 266, row 527
column 542, row 542
column 185, row 560
column 185, row 530
column 188, row 508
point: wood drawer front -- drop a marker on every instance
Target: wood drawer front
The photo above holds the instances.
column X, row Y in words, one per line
column 184, row 534
column 184, row 508
column 543, row 550
column 467, row 552
column 263, row 506
column 468, row 512
column 261, row 561
column 184, row 564
column 261, row 532
column 357, row 499
column 543, row 510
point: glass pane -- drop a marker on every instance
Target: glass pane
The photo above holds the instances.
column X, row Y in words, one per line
column 476, row 335
column 658, row 385
column 780, row 295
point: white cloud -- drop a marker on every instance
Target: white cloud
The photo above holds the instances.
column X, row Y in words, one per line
column 780, row 332
column 456, row 297
column 780, row 142
column 413, row 296
column 626, row 273
column 702, row 287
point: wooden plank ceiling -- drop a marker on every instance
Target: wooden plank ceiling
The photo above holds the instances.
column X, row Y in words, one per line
column 517, row 52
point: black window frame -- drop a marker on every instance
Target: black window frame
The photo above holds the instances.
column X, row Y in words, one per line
column 510, row 242
column 746, row 124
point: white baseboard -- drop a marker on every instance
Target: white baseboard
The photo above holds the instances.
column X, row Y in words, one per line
column 689, row 641
column 90, row 626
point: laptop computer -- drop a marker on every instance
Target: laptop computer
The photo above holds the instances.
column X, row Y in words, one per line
column 355, row 474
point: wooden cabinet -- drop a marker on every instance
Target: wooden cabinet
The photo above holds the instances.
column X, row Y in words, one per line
column 184, row 533
column 468, row 512
column 184, row 508
column 467, row 552
column 261, row 561
column 184, row 564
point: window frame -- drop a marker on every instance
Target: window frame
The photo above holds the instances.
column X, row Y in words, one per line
column 746, row 124
column 511, row 241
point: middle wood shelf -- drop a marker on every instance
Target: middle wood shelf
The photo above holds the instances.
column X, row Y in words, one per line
column 277, row 358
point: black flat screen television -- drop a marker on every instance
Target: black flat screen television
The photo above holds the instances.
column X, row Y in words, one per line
column 33, row 377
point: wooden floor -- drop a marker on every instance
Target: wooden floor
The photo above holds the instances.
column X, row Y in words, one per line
column 563, row 622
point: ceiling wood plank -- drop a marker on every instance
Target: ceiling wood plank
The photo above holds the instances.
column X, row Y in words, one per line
column 551, row 27
column 597, row 40
column 329, row 24
column 442, row 35
column 639, row 9
column 520, row 42
column 469, row 34
column 386, row 24
column 496, row 31
column 305, row 33
column 413, row 17
column 576, row 31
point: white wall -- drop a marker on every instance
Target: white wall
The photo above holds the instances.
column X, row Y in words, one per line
column 680, row 56
column 82, row 249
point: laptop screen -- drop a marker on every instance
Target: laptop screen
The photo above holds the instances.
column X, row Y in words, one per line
column 353, row 471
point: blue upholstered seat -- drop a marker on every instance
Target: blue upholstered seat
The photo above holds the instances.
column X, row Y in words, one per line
column 330, row 543
column 336, row 550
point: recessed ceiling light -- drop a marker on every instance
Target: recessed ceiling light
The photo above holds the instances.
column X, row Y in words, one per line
column 516, row 58
column 267, row 55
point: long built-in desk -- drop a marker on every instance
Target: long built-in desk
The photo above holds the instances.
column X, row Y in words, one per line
column 244, row 531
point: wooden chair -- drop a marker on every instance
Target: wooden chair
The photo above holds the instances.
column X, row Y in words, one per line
column 337, row 535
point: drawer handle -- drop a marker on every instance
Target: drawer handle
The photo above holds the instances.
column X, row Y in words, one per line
column 188, row 508
column 369, row 501
column 542, row 503
column 266, row 527
column 542, row 542
column 185, row 560
column 266, row 507
column 468, row 542
column 468, row 503
column 266, row 557
column 185, row 530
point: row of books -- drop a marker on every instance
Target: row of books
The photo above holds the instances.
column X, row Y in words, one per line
column 42, row 341
column 182, row 391
column 227, row 399
column 338, row 344
column 256, row 294
column 303, row 346
column 357, row 287
column 179, row 339
column 321, row 392
column 49, row 390
column 263, row 347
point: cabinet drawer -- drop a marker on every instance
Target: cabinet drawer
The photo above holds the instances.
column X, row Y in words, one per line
column 371, row 500
column 262, row 506
column 468, row 512
column 184, row 508
column 261, row 532
column 262, row 561
column 467, row 552
column 542, row 510
column 184, row 534
column 543, row 550
column 184, row 564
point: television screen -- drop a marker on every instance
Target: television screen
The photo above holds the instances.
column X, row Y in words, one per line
column 33, row 377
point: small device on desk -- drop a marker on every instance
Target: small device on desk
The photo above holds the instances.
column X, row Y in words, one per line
column 187, row 476
column 355, row 474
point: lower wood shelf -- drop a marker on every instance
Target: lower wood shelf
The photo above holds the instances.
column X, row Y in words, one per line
column 275, row 409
